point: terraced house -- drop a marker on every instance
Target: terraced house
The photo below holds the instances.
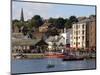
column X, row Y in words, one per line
column 84, row 33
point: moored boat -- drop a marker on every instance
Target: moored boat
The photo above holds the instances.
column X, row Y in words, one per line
column 54, row 55
column 72, row 58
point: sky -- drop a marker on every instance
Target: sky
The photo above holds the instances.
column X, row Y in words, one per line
column 49, row 10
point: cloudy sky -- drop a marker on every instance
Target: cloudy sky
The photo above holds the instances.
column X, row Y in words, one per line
column 49, row 10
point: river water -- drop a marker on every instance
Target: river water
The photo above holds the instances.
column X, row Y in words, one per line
column 40, row 65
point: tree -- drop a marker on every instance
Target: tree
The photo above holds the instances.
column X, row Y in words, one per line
column 18, row 23
column 70, row 21
column 92, row 16
column 36, row 21
column 52, row 32
column 60, row 23
column 73, row 19
column 25, row 30
column 67, row 24
column 14, row 21
column 52, row 20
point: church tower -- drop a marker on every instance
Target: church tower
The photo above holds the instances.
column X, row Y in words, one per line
column 22, row 16
column 22, row 20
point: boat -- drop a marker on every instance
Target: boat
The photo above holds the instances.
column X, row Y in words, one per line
column 19, row 56
column 60, row 55
column 72, row 58
column 54, row 55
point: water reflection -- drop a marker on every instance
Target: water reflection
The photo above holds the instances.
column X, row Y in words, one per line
column 40, row 65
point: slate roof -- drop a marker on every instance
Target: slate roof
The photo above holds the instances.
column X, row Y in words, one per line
column 25, row 41
column 86, row 20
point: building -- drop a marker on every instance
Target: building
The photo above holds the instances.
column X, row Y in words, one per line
column 22, row 16
column 79, row 35
column 44, row 27
column 22, row 44
column 57, row 42
column 92, row 34
column 68, row 37
column 84, row 33
column 15, row 29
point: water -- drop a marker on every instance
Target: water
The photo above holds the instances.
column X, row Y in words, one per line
column 40, row 65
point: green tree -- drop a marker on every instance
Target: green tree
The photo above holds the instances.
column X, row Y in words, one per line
column 36, row 21
column 18, row 23
column 60, row 23
column 14, row 21
column 70, row 21
column 67, row 25
column 52, row 20
column 52, row 32
column 73, row 19
column 92, row 16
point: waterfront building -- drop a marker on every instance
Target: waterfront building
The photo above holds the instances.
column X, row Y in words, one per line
column 22, row 44
column 79, row 35
column 57, row 42
column 92, row 33
column 84, row 33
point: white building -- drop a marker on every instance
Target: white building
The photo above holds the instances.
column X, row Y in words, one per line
column 59, row 40
column 84, row 33
column 79, row 34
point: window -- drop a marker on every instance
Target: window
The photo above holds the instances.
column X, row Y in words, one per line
column 79, row 37
column 76, row 26
column 76, row 43
column 76, row 32
column 83, row 26
column 79, row 32
column 83, row 32
column 76, row 38
column 82, row 37
column 79, row 43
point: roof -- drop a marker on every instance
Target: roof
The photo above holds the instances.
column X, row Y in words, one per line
column 86, row 20
column 54, row 38
column 41, row 42
column 24, row 41
column 38, row 34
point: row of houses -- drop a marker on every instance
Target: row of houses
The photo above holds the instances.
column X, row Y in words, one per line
column 82, row 34
column 40, row 41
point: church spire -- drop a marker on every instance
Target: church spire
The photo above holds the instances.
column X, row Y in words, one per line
column 22, row 15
